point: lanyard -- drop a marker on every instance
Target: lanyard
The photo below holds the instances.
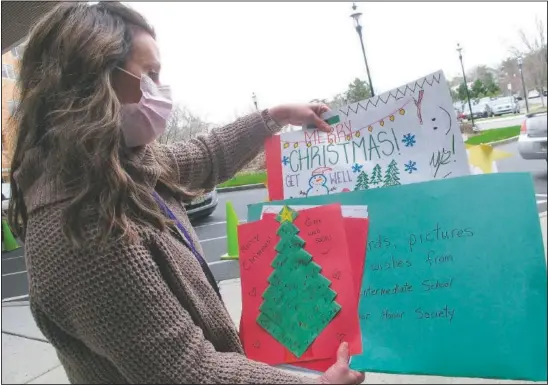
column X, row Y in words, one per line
column 181, row 229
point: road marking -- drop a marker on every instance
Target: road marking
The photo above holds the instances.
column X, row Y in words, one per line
column 222, row 262
column 541, row 195
column 212, row 239
column 13, row 299
column 16, row 273
column 213, row 224
column 10, row 258
column 541, row 202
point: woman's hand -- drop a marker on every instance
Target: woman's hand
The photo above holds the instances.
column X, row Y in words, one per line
column 340, row 373
column 300, row 114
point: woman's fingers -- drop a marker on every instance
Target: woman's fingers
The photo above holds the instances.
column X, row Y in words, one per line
column 321, row 124
column 343, row 355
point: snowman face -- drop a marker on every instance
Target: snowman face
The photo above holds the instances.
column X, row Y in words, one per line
column 318, row 180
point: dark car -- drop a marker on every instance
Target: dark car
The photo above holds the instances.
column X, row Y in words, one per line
column 482, row 110
column 202, row 206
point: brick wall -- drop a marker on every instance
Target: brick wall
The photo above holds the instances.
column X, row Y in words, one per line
column 9, row 94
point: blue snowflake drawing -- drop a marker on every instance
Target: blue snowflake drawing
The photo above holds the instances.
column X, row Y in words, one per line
column 410, row 167
column 357, row 168
column 409, row 140
column 285, row 160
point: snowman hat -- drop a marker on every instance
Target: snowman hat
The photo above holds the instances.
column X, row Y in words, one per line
column 321, row 170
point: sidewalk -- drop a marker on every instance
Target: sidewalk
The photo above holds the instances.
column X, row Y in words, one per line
column 28, row 359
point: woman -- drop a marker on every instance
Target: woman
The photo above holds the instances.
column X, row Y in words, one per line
column 118, row 283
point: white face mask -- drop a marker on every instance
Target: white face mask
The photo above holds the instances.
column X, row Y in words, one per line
column 146, row 120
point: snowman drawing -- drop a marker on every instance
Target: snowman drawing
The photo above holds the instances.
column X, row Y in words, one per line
column 318, row 182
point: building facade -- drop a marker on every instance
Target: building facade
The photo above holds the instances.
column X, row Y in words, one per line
column 10, row 64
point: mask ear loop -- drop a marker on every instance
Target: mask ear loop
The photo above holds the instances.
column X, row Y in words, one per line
column 127, row 72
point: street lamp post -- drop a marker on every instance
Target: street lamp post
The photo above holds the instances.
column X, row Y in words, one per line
column 254, row 98
column 356, row 16
column 459, row 50
column 520, row 66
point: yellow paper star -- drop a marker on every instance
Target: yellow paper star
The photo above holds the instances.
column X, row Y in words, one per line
column 286, row 215
column 482, row 156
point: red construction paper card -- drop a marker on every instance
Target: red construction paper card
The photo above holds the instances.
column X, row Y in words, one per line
column 273, row 156
column 356, row 238
column 323, row 230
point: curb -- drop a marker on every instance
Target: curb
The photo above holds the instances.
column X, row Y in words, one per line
column 498, row 142
column 503, row 141
column 240, row 188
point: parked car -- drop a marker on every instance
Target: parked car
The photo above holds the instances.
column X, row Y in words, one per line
column 506, row 105
column 202, row 206
column 532, row 138
column 478, row 111
column 458, row 114
column 484, row 109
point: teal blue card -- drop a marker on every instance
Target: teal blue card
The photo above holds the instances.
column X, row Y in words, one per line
column 455, row 278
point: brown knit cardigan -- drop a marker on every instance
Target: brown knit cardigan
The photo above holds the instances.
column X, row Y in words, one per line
column 141, row 312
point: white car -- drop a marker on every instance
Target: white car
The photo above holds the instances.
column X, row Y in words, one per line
column 532, row 138
column 507, row 105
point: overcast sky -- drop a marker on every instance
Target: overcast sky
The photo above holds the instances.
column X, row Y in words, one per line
column 215, row 55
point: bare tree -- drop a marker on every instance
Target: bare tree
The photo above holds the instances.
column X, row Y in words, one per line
column 183, row 125
column 509, row 74
column 535, row 60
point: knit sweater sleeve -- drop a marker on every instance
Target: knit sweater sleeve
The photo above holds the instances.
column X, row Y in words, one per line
column 126, row 313
column 206, row 161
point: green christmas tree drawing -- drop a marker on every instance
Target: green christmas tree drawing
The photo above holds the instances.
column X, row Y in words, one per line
column 376, row 176
column 298, row 303
column 392, row 174
column 362, row 183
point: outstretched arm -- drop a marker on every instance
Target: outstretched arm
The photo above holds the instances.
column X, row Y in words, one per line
column 204, row 162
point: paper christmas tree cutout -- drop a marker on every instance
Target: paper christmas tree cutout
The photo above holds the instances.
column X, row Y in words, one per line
column 298, row 303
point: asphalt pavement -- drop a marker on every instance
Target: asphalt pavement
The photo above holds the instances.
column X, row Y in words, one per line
column 503, row 121
column 212, row 230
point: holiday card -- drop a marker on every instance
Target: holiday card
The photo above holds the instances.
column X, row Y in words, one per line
column 455, row 280
column 298, row 295
column 409, row 134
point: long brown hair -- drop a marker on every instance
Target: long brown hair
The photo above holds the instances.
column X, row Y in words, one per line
column 70, row 115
